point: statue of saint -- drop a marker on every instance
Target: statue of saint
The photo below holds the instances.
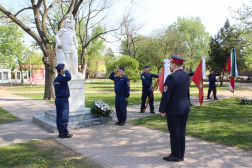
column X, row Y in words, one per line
column 66, row 46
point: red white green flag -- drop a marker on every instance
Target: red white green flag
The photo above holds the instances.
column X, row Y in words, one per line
column 163, row 75
column 231, row 67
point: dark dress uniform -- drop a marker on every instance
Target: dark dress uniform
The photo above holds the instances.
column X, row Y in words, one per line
column 147, row 90
column 188, row 93
column 122, row 88
column 175, row 104
column 212, row 85
column 62, row 105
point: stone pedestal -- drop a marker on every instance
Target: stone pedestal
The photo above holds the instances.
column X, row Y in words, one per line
column 77, row 94
column 79, row 115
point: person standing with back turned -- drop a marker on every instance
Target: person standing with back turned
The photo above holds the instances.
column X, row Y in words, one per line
column 122, row 88
column 175, row 105
column 62, row 104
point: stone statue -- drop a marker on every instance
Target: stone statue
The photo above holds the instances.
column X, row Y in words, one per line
column 66, row 46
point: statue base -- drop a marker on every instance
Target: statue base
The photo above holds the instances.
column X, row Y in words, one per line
column 76, row 120
column 79, row 115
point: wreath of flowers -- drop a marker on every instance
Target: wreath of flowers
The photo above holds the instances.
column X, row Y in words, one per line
column 246, row 100
column 101, row 109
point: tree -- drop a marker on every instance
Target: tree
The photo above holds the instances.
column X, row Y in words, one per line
column 243, row 15
column 129, row 64
column 94, row 50
column 128, row 36
column 44, row 25
column 196, row 38
column 11, row 45
column 220, row 48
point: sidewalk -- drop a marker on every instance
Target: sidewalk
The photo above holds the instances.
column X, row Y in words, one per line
column 114, row 146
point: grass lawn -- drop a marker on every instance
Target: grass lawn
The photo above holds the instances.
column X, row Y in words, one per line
column 226, row 121
column 222, row 88
column 6, row 117
column 109, row 98
column 47, row 153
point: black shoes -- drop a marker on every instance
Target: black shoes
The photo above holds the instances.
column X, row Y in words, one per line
column 152, row 112
column 216, row 99
column 65, row 135
column 120, row 123
column 141, row 111
column 172, row 158
column 208, row 98
column 191, row 104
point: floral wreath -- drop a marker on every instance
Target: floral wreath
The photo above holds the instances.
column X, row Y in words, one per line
column 246, row 100
column 101, row 109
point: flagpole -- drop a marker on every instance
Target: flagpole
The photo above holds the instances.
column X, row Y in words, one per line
column 150, row 96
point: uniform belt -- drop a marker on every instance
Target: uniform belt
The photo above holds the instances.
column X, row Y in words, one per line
column 63, row 97
column 119, row 94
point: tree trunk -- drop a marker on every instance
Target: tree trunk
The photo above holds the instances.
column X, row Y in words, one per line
column 49, row 88
column 21, row 75
column 221, row 81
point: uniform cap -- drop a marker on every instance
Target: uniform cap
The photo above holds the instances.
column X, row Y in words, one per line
column 121, row 68
column 177, row 59
column 147, row 66
column 60, row 66
column 212, row 69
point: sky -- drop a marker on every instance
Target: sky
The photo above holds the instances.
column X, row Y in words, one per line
column 155, row 14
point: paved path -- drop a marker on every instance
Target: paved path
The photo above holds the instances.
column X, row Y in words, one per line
column 118, row 147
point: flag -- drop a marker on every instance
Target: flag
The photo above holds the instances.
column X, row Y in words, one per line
column 163, row 75
column 231, row 67
column 198, row 77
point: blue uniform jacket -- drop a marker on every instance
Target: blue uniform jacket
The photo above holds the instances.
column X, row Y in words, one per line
column 191, row 74
column 174, row 98
column 61, row 86
column 212, row 78
column 122, row 85
column 147, row 79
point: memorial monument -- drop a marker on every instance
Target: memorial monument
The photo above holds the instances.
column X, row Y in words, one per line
column 66, row 53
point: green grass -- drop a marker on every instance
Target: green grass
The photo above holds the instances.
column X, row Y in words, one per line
column 226, row 121
column 108, row 98
column 6, row 117
column 46, row 153
column 193, row 87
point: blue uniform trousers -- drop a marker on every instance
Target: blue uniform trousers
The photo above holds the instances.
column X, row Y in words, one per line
column 177, row 127
column 211, row 88
column 62, row 110
column 121, row 111
column 146, row 93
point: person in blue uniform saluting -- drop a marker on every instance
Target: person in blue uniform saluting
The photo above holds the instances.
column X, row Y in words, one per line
column 122, row 88
column 146, row 78
column 212, row 85
column 188, row 93
column 62, row 104
column 175, row 105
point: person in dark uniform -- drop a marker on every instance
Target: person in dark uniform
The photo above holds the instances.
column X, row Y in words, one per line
column 122, row 88
column 62, row 105
column 175, row 105
column 212, row 85
column 188, row 94
column 147, row 88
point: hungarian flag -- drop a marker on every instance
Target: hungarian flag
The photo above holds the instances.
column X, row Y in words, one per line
column 198, row 77
column 163, row 75
column 231, row 67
